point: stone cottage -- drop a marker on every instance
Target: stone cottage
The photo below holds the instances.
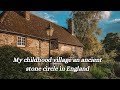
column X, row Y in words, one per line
column 27, row 31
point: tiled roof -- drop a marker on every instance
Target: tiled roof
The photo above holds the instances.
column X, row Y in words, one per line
column 15, row 22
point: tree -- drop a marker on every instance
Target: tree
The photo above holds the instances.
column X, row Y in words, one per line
column 87, row 31
column 111, row 42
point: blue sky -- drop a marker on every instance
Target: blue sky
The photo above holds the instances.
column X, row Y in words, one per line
column 109, row 23
column 58, row 17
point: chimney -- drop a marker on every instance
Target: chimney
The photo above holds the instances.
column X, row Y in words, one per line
column 27, row 15
column 71, row 26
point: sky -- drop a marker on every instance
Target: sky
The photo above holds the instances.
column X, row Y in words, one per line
column 58, row 17
column 109, row 23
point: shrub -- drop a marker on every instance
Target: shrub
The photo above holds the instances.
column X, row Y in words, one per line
column 117, row 69
column 97, row 73
column 75, row 55
column 83, row 75
column 117, row 58
column 62, row 74
column 54, row 55
column 10, row 70
column 109, row 73
column 73, row 64
column 109, row 65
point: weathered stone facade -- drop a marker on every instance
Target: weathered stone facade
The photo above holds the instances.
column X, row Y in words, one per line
column 69, row 48
column 37, row 47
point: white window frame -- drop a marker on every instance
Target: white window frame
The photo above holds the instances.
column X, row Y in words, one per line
column 21, row 41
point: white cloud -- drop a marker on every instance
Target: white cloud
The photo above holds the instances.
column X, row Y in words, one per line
column 115, row 20
column 106, row 15
column 45, row 15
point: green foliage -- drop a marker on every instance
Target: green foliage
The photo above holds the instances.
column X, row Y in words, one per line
column 74, row 55
column 107, row 56
column 83, row 75
column 117, row 58
column 62, row 75
column 55, row 54
column 111, row 42
column 109, row 65
column 87, row 30
column 10, row 70
column 73, row 64
column 97, row 73
column 109, row 73
column 117, row 69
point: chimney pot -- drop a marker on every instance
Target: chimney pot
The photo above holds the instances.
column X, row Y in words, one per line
column 27, row 15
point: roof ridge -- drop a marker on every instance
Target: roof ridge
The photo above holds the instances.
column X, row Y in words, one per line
column 5, row 13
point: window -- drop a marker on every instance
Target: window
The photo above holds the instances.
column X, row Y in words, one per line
column 21, row 41
column 53, row 44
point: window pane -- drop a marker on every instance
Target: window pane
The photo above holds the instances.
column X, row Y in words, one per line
column 21, row 40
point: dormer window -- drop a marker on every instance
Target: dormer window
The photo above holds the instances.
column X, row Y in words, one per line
column 21, row 41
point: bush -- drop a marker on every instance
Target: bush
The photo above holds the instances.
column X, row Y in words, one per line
column 83, row 75
column 10, row 70
column 72, row 55
column 117, row 58
column 62, row 75
column 75, row 55
column 98, row 73
column 73, row 64
column 117, row 69
column 109, row 65
column 54, row 55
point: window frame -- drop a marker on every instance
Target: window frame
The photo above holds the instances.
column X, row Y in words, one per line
column 21, row 41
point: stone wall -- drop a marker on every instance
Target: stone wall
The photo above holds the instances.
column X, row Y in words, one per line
column 32, row 44
column 37, row 47
column 7, row 39
column 44, row 48
column 68, row 48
